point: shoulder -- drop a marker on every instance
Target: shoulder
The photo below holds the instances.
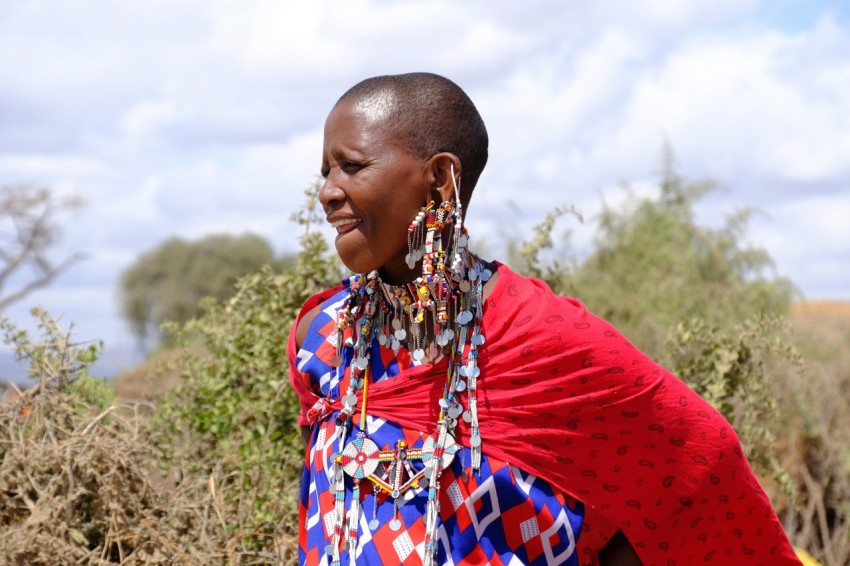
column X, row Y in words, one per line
column 311, row 308
column 303, row 324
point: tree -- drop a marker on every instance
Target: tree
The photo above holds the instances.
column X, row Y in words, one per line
column 168, row 282
column 654, row 266
column 28, row 230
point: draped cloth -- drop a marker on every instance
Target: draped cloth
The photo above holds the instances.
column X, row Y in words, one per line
column 564, row 396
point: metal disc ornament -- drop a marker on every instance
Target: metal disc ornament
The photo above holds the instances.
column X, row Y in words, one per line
column 359, row 459
column 449, row 451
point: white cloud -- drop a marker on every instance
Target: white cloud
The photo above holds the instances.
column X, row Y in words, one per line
column 747, row 94
column 189, row 117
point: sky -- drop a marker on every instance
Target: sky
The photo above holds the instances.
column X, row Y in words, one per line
column 192, row 117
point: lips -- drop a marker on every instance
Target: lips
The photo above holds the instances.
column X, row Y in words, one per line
column 344, row 225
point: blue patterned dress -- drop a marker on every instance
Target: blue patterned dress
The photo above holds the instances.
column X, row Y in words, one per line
column 500, row 515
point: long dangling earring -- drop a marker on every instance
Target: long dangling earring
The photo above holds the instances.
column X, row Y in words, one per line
column 416, row 236
column 458, row 249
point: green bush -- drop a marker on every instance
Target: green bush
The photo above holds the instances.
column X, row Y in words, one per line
column 654, row 266
column 235, row 413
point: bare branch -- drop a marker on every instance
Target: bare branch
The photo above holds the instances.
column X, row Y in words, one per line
column 39, row 282
column 28, row 229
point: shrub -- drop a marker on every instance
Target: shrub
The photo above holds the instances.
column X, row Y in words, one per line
column 234, row 414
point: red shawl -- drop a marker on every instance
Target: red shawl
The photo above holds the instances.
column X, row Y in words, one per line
column 565, row 396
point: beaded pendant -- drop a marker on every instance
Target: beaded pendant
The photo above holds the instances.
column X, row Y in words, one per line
column 437, row 314
column 399, row 469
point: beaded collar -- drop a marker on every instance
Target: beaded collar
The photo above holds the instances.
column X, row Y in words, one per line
column 439, row 313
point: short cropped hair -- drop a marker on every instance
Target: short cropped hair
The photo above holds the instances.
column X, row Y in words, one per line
column 431, row 114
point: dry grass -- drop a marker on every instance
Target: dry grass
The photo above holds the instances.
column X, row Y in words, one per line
column 815, row 443
column 79, row 485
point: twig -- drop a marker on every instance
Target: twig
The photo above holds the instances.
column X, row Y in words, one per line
column 97, row 420
column 816, row 496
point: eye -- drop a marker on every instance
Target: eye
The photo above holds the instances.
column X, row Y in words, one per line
column 325, row 172
column 351, row 167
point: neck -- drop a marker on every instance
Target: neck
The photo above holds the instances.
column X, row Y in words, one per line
column 399, row 273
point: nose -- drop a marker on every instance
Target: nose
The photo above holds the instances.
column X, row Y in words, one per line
column 330, row 195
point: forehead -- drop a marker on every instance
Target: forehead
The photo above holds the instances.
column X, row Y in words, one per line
column 377, row 106
column 364, row 121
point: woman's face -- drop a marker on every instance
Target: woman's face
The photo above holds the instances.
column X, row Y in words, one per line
column 373, row 188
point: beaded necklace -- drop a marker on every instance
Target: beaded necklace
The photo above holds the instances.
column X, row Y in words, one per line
column 438, row 313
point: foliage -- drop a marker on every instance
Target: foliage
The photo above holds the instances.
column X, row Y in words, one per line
column 654, row 266
column 235, row 409
column 29, row 230
column 727, row 367
column 54, row 359
column 168, row 282
column 528, row 254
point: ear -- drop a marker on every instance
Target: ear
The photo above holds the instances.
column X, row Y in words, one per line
column 441, row 167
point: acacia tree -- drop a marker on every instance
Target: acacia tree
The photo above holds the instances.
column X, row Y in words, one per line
column 168, row 282
column 28, row 231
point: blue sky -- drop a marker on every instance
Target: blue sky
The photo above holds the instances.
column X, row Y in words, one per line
column 190, row 117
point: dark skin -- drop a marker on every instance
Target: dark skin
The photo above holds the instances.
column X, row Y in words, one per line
column 373, row 187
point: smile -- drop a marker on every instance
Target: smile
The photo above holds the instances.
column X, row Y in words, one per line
column 345, row 225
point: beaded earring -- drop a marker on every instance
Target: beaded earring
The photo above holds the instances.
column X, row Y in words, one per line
column 416, row 236
column 460, row 239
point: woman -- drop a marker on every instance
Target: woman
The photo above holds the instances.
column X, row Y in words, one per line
column 457, row 413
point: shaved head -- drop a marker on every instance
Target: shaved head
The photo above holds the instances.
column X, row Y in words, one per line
column 429, row 114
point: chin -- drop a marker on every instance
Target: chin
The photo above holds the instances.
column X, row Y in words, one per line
column 356, row 262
